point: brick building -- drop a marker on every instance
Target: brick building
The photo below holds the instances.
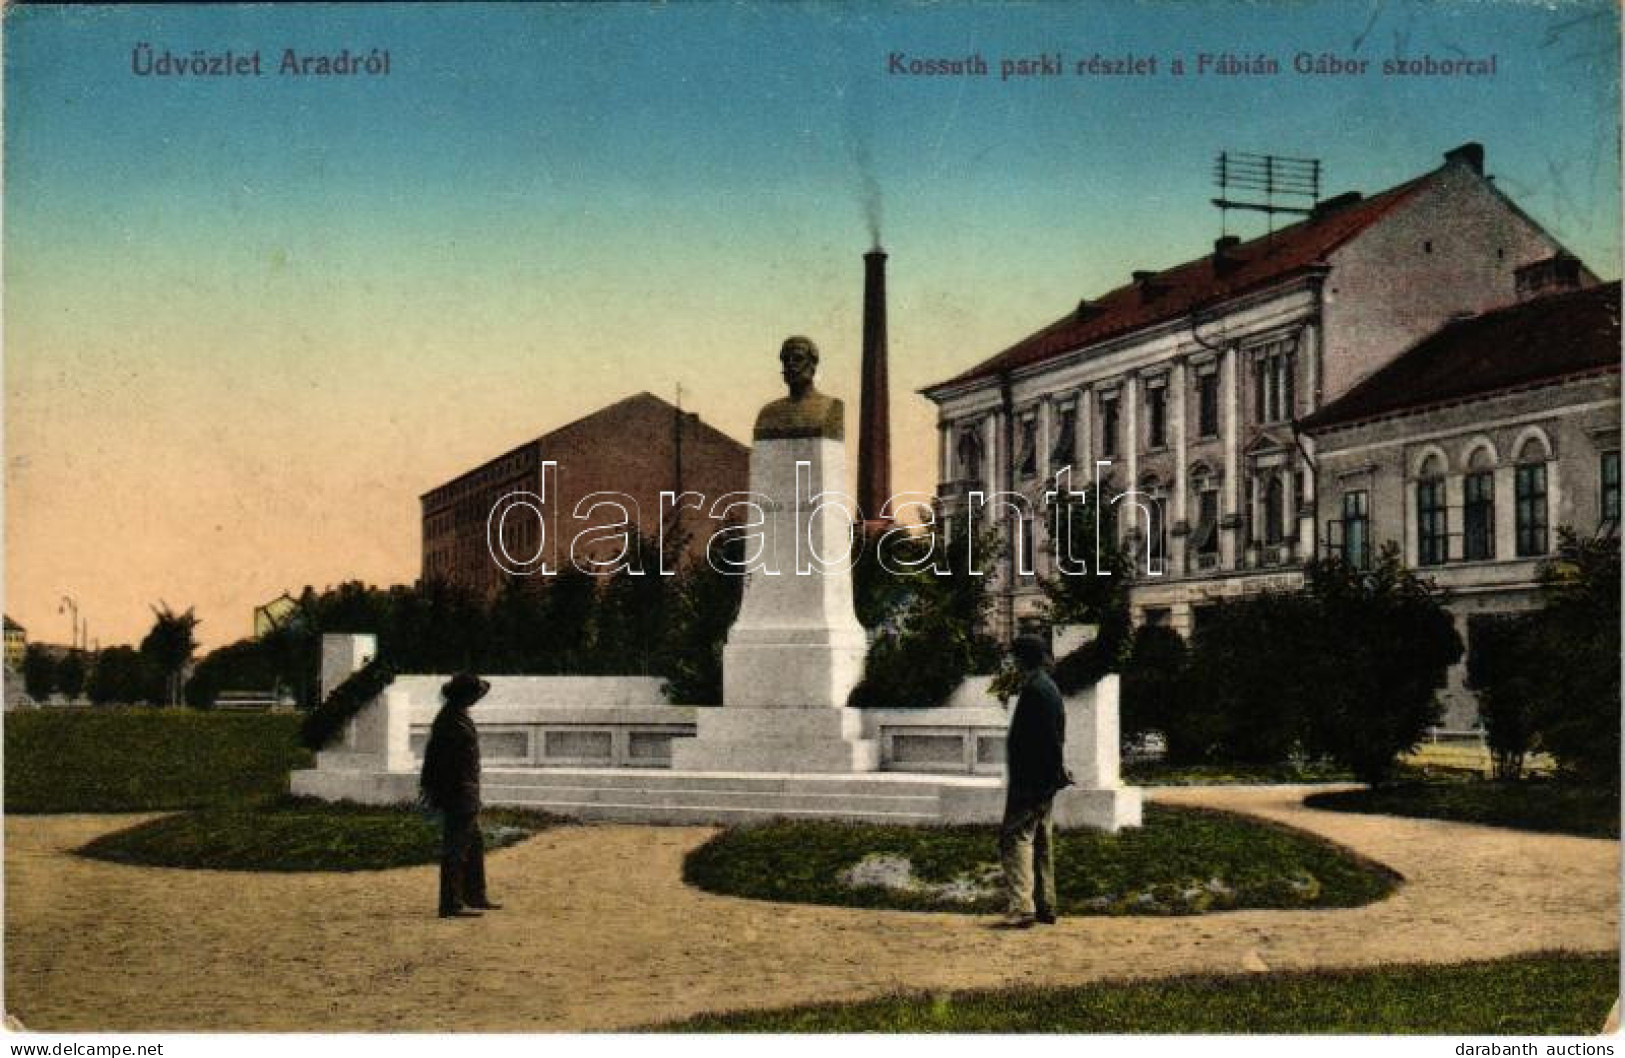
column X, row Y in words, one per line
column 1191, row 382
column 1476, row 445
column 637, row 447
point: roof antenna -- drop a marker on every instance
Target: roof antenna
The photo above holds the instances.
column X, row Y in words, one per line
column 1269, row 175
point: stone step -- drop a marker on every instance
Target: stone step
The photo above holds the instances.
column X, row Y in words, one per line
column 664, row 795
column 702, row 812
column 907, row 784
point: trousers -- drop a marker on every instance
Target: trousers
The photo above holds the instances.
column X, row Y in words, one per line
column 462, row 861
column 1027, row 850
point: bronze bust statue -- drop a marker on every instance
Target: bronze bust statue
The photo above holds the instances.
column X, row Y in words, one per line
column 805, row 412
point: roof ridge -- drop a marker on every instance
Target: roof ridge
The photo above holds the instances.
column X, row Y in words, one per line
column 1256, row 263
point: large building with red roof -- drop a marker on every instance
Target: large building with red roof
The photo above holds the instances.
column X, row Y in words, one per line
column 1473, row 448
column 1184, row 390
column 615, row 462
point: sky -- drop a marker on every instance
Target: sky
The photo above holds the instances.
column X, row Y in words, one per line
column 249, row 320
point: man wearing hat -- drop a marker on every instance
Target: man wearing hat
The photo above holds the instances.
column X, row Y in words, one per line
column 451, row 785
column 1036, row 772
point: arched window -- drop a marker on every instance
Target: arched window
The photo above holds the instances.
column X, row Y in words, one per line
column 1531, row 524
column 1432, row 517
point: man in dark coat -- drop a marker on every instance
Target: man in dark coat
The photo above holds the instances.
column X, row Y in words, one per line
column 451, row 785
column 1036, row 772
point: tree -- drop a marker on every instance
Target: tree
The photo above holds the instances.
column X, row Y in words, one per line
column 1346, row 668
column 1095, row 593
column 1575, row 643
column 70, row 674
column 569, row 621
column 940, row 635
column 631, row 608
column 246, row 665
column 1505, row 670
column 1153, row 690
column 1386, row 643
column 1255, row 672
column 704, row 601
column 124, row 675
column 170, row 646
column 39, row 672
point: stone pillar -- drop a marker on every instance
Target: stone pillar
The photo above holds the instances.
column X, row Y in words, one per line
column 1129, row 416
column 1308, row 530
column 343, row 654
column 990, row 453
column 945, row 452
column 1083, row 466
column 1555, row 515
column 1230, row 500
column 1179, row 382
column 1506, row 512
column 1046, row 416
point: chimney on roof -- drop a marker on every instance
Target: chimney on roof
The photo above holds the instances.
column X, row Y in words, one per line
column 874, row 418
column 1224, row 253
column 1468, row 154
column 1334, row 204
column 1148, row 285
column 1086, row 309
column 1553, row 275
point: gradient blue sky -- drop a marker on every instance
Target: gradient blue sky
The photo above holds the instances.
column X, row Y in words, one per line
column 249, row 321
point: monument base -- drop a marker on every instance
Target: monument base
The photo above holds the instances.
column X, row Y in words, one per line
column 725, row 798
column 814, row 739
column 771, row 668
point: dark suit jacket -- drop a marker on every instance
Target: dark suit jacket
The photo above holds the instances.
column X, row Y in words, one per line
column 1034, row 750
column 451, row 762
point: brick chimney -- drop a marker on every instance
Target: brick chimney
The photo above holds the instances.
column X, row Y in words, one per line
column 874, row 415
column 1469, row 154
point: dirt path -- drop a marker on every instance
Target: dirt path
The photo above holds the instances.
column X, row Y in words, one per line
column 599, row 932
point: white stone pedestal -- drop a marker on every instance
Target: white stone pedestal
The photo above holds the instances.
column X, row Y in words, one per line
column 797, row 641
column 796, row 649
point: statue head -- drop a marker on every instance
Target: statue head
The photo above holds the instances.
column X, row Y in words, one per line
column 799, row 356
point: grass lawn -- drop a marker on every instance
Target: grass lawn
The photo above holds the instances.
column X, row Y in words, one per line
column 299, row 834
column 138, row 759
column 1183, row 861
column 1553, row 993
column 1544, row 805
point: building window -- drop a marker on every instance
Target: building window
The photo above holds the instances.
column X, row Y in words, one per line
column 1108, row 427
column 1205, row 540
column 1156, row 407
column 1478, row 516
column 1158, row 540
column 1530, row 505
column 1274, row 377
column 1357, row 529
column 1207, row 405
column 1274, row 511
column 1028, row 463
column 1066, row 432
column 1432, row 523
column 970, row 455
column 1610, row 491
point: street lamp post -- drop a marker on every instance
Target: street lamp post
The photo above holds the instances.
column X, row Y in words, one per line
column 72, row 608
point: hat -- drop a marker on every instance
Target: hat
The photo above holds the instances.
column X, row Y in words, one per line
column 1029, row 650
column 465, row 688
